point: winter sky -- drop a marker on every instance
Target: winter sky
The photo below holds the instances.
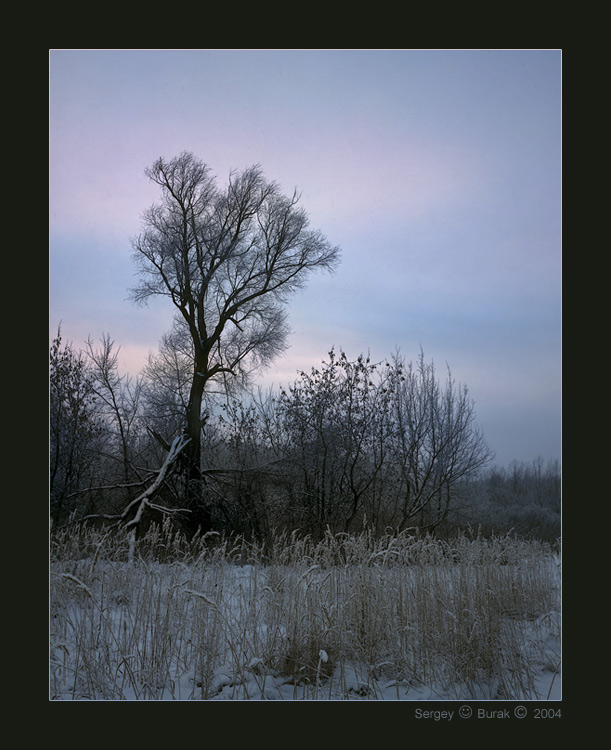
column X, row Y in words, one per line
column 437, row 172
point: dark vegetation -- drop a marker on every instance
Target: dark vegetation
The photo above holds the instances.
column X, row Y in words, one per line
column 350, row 445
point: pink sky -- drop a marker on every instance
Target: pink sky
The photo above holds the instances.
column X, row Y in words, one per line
column 437, row 172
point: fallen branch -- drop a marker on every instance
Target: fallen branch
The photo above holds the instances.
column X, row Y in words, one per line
column 143, row 501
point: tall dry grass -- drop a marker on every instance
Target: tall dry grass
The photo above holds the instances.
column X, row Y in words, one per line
column 403, row 616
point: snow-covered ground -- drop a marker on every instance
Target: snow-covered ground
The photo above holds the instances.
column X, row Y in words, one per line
column 251, row 632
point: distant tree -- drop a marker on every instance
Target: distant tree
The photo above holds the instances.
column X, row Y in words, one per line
column 227, row 259
column 437, row 443
column 166, row 385
column 524, row 498
column 118, row 403
column 74, row 427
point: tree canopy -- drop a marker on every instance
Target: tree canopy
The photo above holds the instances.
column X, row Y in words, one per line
column 228, row 259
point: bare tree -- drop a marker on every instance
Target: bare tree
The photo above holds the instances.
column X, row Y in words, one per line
column 383, row 441
column 437, row 443
column 74, row 427
column 227, row 259
column 167, row 377
column 336, row 427
column 118, row 399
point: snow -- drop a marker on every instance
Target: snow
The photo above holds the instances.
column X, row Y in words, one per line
column 217, row 605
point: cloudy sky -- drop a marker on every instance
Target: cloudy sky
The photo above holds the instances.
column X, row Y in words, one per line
column 437, row 172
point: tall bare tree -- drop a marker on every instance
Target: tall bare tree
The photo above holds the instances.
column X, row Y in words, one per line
column 227, row 259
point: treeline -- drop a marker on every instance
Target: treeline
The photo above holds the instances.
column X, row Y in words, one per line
column 524, row 498
column 351, row 443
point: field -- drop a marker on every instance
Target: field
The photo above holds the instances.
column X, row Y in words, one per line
column 403, row 617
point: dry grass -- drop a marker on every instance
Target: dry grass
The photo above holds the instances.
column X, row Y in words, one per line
column 347, row 617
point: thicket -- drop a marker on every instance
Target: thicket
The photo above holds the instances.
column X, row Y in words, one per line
column 522, row 498
column 351, row 443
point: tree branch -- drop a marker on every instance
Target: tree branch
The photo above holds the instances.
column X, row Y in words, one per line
column 144, row 499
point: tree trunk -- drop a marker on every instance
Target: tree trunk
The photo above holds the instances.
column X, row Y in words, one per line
column 195, row 483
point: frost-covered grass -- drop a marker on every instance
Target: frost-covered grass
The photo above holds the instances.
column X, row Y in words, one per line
column 350, row 617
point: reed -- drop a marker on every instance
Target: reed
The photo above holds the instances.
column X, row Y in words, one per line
column 402, row 616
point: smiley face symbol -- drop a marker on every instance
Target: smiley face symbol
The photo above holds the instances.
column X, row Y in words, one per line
column 465, row 712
